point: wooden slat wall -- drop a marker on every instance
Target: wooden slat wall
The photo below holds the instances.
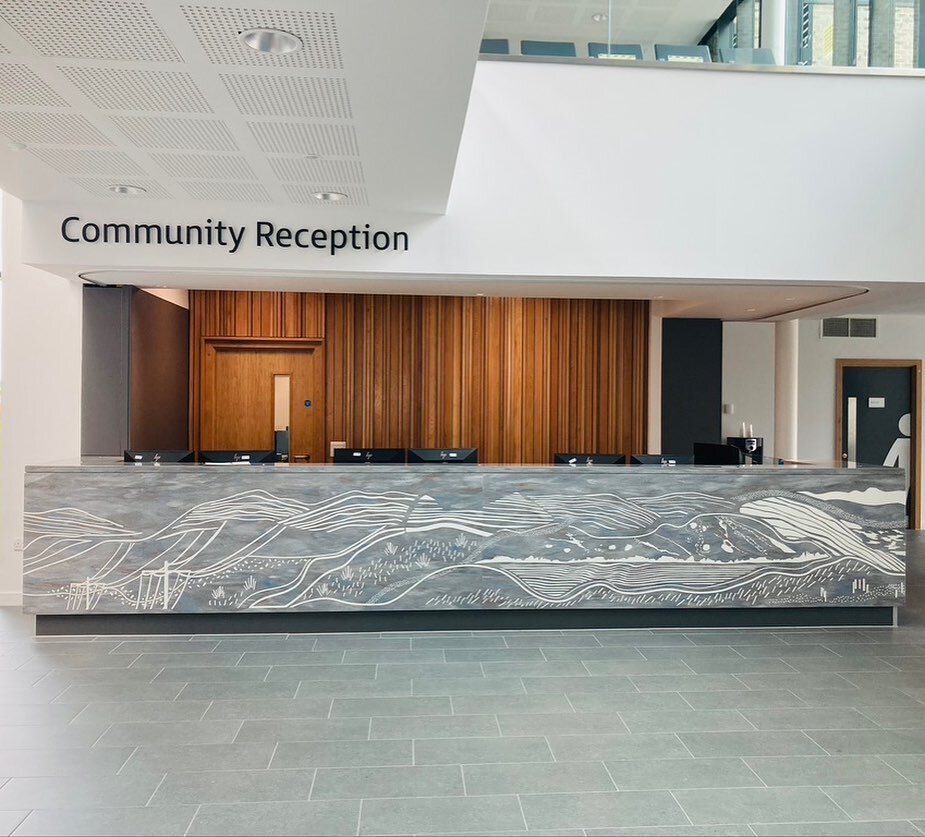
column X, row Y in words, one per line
column 520, row 379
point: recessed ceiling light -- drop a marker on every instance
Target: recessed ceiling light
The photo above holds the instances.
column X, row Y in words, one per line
column 750, row 309
column 789, row 298
column 126, row 189
column 270, row 41
column 330, row 196
column 479, row 293
column 599, row 17
column 658, row 297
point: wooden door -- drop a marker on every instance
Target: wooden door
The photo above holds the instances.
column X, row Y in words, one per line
column 238, row 394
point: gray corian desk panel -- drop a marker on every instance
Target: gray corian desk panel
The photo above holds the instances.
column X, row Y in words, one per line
column 120, row 538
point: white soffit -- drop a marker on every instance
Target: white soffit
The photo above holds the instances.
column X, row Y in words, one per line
column 630, row 21
column 162, row 94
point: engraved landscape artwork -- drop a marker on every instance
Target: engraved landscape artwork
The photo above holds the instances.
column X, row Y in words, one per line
column 193, row 539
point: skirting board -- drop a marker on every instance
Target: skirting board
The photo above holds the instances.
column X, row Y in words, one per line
column 461, row 620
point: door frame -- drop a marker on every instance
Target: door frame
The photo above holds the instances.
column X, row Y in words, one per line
column 915, row 476
column 291, row 344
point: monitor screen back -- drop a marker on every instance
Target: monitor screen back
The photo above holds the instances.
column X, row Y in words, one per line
column 237, row 457
column 443, row 456
column 369, row 456
column 172, row 456
column 589, row 459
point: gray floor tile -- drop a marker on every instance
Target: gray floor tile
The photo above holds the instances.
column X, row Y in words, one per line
column 40, row 738
column 906, row 663
column 578, row 776
column 63, row 762
column 195, row 757
column 883, row 649
column 604, row 747
column 258, row 709
column 481, row 750
column 290, row 658
column 825, row 680
column 576, row 723
column 23, row 679
column 787, row 652
column 142, row 710
column 629, row 701
column 440, row 726
column 740, row 636
column 99, row 676
column 347, row 641
column 610, row 667
column 855, row 697
column 912, row 767
column 824, row 770
column 567, row 640
column 427, row 641
column 526, row 668
column 758, row 805
column 665, row 639
column 540, row 685
column 895, row 679
column 878, row 802
column 751, row 665
column 725, row 744
column 613, row 653
column 595, row 810
column 365, row 656
column 835, row 717
column 855, row 662
column 685, row 720
column 172, row 658
column 509, row 704
column 64, row 662
column 39, row 714
column 92, row 692
column 78, row 791
column 413, row 671
column 470, row 686
column 382, row 782
column 296, row 818
column 304, row 729
column 672, row 831
column 325, row 672
column 166, row 646
column 689, row 653
column 439, row 815
column 354, row 688
column 873, row 742
column 474, row 655
column 207, row 674
column 9, row 820
column 391, row 706
column 896, row 717
column 176, row 732
column 109, row 822
column 238, row 691
column 688, row 683
column 883, row 828
column 234, row 786
column 266, row 643
column 341, row 754
column 674, row 774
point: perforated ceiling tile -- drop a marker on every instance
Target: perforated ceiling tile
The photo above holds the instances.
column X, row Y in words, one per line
column 88, row 161
column 314, row 171
column 20, row 86
column 100, row 188
column 207, row 191
column 298, row 193
column 294, row 138
column 3, row 49
column 217, row 30
column 121, row 30
column 214, row 166
column 174, row 133
column 50, row 128
column 157, row 90
column 294, row 96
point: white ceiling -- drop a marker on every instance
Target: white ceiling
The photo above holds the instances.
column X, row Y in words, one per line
column 630, row 21
column 161, row 94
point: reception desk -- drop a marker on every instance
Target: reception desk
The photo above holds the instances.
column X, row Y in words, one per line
column 150, row 541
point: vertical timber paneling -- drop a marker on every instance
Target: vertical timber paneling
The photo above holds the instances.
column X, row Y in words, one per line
column 519, row 379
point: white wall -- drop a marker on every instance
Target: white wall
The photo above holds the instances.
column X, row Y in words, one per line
column 571, row 171
column 899, row 338
column 175, row 296
column 41, row 383
column 748, row 379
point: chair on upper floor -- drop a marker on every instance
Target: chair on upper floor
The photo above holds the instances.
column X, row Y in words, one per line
column 495, row 46
column 692, row 53
column 746, row 55
column 559, row 49
column 616, row 52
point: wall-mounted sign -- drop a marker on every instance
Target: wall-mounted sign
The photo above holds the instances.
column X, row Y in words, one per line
column 76, row 230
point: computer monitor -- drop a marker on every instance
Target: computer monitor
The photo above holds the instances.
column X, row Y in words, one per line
column 443, row 456
column 708, row 453
column 158, row 456
column 660, row 459
column 369, row 456
column 589, row 459
column 237, row 457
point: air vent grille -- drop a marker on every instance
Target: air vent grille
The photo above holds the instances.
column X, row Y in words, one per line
column 849, row 327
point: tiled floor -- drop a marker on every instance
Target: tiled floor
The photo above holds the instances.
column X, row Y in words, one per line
column 583, row 732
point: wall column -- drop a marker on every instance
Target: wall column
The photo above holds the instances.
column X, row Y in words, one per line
column 786, row 388
column 774, row 28
column 654, row 406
